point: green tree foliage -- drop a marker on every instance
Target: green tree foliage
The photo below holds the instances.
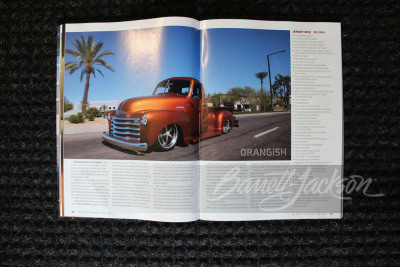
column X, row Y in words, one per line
column 208, row 98
column 241, row 95
column 228, row 100
column 216, row 99
column 67, row 105
column 235, row 94
column 95, row 112
column 255, row 97
column 282, row 88
column 88, row 57
column 261, row 98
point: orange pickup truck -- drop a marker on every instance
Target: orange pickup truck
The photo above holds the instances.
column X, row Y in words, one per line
column 177, row 112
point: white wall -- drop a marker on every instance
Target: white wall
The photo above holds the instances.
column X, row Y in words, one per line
column 111, row 105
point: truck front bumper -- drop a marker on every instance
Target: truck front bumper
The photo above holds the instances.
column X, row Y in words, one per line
column 124, row 144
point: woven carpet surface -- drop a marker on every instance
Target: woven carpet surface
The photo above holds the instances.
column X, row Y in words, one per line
column 31, row 232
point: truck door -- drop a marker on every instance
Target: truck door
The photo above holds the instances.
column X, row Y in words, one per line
column 195, row 103
column 201, row 104
column 203, row 110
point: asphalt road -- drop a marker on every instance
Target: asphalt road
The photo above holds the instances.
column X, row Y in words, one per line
column 264, row 136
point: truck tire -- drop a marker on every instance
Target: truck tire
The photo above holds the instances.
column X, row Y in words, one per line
column 226, row 127
column 167, row 138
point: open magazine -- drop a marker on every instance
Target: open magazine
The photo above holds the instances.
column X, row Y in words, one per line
column 174, row 119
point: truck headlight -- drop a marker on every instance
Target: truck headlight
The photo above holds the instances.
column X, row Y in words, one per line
column 143, row 121
column 109, row 116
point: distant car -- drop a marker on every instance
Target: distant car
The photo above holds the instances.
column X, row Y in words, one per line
column 177, row 110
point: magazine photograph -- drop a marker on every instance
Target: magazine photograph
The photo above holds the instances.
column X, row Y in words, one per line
column 178, row 93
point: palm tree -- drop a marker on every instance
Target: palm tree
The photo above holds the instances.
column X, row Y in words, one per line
column 89, row 56
column 261, row 76
column 104, row 108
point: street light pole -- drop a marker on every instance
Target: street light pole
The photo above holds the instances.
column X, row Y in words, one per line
column 269, row 74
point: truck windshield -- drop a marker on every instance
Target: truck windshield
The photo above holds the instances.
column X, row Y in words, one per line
column 176, row 87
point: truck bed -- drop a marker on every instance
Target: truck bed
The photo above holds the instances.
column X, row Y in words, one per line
column 214, row 109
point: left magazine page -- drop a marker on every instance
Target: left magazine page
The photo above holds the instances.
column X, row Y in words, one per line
column 126, row 148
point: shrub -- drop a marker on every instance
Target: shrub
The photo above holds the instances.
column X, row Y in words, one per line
column 96, row 113
column 91, row 117
column 76, row 118
column 67, row 105
column 279, row 102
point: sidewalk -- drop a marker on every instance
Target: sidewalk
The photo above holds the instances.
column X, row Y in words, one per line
column 98, row 125
column 261, row 114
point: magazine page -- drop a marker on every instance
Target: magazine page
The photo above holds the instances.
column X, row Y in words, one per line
column 127, row 121
column 275, row 105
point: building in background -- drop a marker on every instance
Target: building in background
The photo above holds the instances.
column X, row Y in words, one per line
column 111, row 105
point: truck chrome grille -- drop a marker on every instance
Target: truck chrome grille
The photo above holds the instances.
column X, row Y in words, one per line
column 125, row 128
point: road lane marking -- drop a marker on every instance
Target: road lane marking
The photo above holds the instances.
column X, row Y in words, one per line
column 260, row 134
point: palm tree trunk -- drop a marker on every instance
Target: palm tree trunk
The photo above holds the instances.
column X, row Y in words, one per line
column 85, row 95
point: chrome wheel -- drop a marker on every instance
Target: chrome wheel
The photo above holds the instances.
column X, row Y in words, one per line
column 168, row 137
column 227, row 127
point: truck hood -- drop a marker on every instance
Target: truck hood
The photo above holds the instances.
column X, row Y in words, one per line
column 162, row 102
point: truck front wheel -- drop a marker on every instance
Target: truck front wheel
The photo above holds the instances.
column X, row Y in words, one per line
column 167, row 138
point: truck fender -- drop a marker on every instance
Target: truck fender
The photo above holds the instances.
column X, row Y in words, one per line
column 222, row 116
column 158, row 119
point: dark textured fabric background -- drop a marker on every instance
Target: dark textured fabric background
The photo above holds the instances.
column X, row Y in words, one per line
column 32, row 233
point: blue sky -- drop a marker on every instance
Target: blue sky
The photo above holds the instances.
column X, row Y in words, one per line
column 146, row 56
column 233, row 57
